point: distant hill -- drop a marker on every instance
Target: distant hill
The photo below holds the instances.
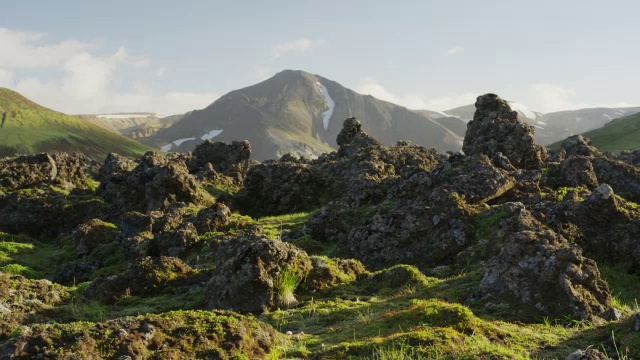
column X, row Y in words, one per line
column 133, row 125
column 302, row 113
column 28, row 128
column 618, row 135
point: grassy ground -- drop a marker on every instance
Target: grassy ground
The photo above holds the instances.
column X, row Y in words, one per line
column 395, row 313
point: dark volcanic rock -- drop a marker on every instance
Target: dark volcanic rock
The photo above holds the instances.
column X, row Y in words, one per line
column 76, row 273
column 39, row 214
column 578, row 145
column 541, row 271
column 156, row 234
column 425, row 234
column 577, row 170
column 209, row 219
column 279, row 188
column 33, row 170
column 92, row 234
column 326, row 273
column 154, row 184
column 623, row 178
column 352, row 138
column 605, row 225
column 171, row 335
column 143, row 277
column 250, row 274
column 231, row 160
column 495, row 129
column 474, row 177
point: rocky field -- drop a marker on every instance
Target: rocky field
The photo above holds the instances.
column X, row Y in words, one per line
column 509, row 251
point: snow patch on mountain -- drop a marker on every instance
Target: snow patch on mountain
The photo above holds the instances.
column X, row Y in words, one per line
column 211, row 134
column 524, row 110
column 181, row 141
column 166, row 148
column 326, row 116
column 607, row 116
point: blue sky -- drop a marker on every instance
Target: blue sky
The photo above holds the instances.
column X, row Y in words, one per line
column 170, row 57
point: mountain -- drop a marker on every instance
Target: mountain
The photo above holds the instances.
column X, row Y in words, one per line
column 555, row 126
column 618, row 135
column 132, row 125
column 28, row 128
column 299, row 112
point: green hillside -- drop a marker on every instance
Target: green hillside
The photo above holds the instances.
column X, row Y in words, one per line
column 28, row 128
column 618, row 135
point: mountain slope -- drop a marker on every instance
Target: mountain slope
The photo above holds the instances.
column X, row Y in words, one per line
column 298, row 112
column 28, row 128
column 618, row 135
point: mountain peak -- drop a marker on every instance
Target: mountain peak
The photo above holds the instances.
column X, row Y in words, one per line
column 12, row 100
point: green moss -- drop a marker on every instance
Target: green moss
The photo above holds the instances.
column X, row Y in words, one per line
column 486, row 224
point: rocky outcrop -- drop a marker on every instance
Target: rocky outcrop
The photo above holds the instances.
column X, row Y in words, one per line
column 60, row 169
column 21, row 298
column 541, row 273
column 154, row 184
column 214, row 217
column 495, row 129
column 327, row 273
column 93, row 234
column 604, row 224
column 426, row 234
column 475, row 178
column 144, row 276
column 230, row 160
column 254, row 274
column 156, row 234
column 172, row 335
column 279, row 188
column 352, row 138
column 531, row 271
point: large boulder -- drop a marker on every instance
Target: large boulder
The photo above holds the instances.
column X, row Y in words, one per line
column 531, row 271
column 156, row 234
column 93, row 234
column 540, row 274
column 155, row 183
column 231, row 160
column 604, row 224
column 352, row 138
column 473, row 177
column 495, row 128
column 255, row 274
column 426, row 234
column 282, row 187
column 144, row 276
column 579, row 145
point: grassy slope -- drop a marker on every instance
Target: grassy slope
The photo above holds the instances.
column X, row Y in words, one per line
column 31, row 128
column 618, row 135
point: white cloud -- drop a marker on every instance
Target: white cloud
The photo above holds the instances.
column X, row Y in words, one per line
column 21, row 51
column 370, row 86
column 295, row 46
column 456, row 50
column 548, row 97
column 86, row 81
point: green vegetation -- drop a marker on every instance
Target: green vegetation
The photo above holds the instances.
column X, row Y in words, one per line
column 286, row 286
column 30, row 128
column 618, row 135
